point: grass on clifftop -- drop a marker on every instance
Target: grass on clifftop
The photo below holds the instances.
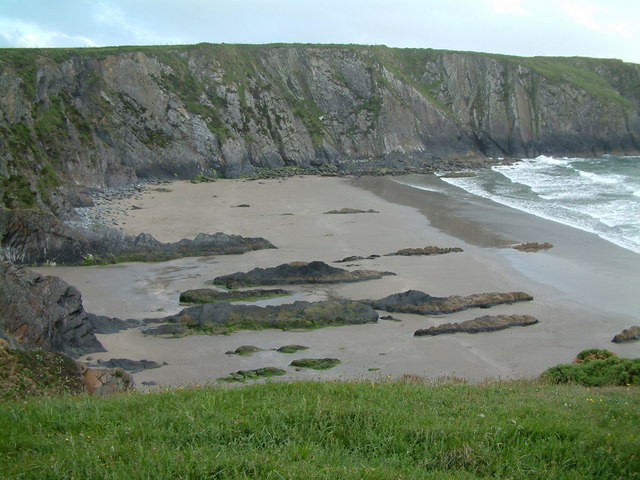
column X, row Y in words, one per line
column 326, row 430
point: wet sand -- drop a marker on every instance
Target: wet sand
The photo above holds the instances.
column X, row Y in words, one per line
column 584, row 288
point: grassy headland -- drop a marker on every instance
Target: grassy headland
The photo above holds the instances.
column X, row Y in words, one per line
column 394, row 429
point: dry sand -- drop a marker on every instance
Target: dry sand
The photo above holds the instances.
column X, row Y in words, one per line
column 584, row 288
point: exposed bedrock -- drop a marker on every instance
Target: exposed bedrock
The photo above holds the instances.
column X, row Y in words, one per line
column 486, row 323
column 300, row 314
column 43, row 312
column 628, row 335
column 297, row 273
column 34, row 237
column 415, row 301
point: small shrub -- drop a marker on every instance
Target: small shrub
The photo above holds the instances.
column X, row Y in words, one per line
column 593, row 354
column 596, row 368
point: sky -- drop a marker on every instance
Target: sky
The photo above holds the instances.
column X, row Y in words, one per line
column 591, row 28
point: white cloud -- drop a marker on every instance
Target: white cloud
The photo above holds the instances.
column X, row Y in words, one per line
column 618, row 18
column 510, row 7
column 107, row 14
column 29, row 35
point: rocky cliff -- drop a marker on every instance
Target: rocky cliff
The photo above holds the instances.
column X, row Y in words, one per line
column 112, row 116
column 43, row 312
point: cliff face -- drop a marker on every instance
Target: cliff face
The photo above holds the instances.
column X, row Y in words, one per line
column 109, row 117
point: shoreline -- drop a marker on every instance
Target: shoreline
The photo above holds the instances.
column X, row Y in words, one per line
column 290, row 213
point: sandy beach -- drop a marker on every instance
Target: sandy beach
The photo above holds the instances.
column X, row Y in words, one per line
column 584, row 289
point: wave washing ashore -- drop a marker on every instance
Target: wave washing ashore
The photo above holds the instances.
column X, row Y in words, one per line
column 597, row 195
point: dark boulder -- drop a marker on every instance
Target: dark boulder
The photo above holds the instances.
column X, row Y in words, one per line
column 297, row 273
column 627, row 335
column 103, row 324
column 36, row 237
column 415, row 301
column 43, row 312
column 208, row 295
column 429, row 250
column 221, row 316
column 487, row 323
column 132, row 366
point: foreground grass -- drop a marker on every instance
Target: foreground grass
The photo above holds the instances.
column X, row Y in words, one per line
column 312, row 430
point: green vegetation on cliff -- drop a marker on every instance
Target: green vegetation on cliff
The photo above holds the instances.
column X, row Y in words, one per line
column 118, row 114
column 314, row 430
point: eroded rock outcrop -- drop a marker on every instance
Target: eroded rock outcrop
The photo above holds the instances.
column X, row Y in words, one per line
column 38, row 311
column 533, row 246
column 36, row 237
column 415, row 301
column 297, row 273
column 428, row 250
column 208, row 295
column 349, row 211
column 221, row 317
column 486, row 323
column 628, row 335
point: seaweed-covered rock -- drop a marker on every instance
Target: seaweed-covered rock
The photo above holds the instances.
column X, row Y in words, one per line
column 348, row 211
column 356, row 258
column 222, row 316
column 209, row 295
column 486, row 323
column 627, row 335
column 415, row 301
column 429, row 250
column 291, row 348
column 315, row 363
column 169, row 329
column 297, row 273
column 533, row 246
column 245, row 350
column 244, row 375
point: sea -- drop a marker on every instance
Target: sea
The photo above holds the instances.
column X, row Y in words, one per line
column 598, row 195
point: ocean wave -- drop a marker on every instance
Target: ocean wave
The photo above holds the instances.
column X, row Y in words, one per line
column 603, row 203
column 543, row 159
column 605, row 179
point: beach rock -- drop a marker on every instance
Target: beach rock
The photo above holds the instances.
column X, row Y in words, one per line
column 208, row 295
column 106, row 381
column 430, row 250
column 244, row 375
column 173, row 329
column 129, row 365
column 291, row 348
column 348, row 211
column 103, row 324
column 315, row 363
column 414, row 301
column 486, row 323
column 43, row 312
column 245, row 350
column 37, row 237
column 533, row 246
column 221, row 316
column 355, row 258
column 297, row 273
column 627, row 335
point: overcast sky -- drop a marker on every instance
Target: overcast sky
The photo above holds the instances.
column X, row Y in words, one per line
column 593, row 28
